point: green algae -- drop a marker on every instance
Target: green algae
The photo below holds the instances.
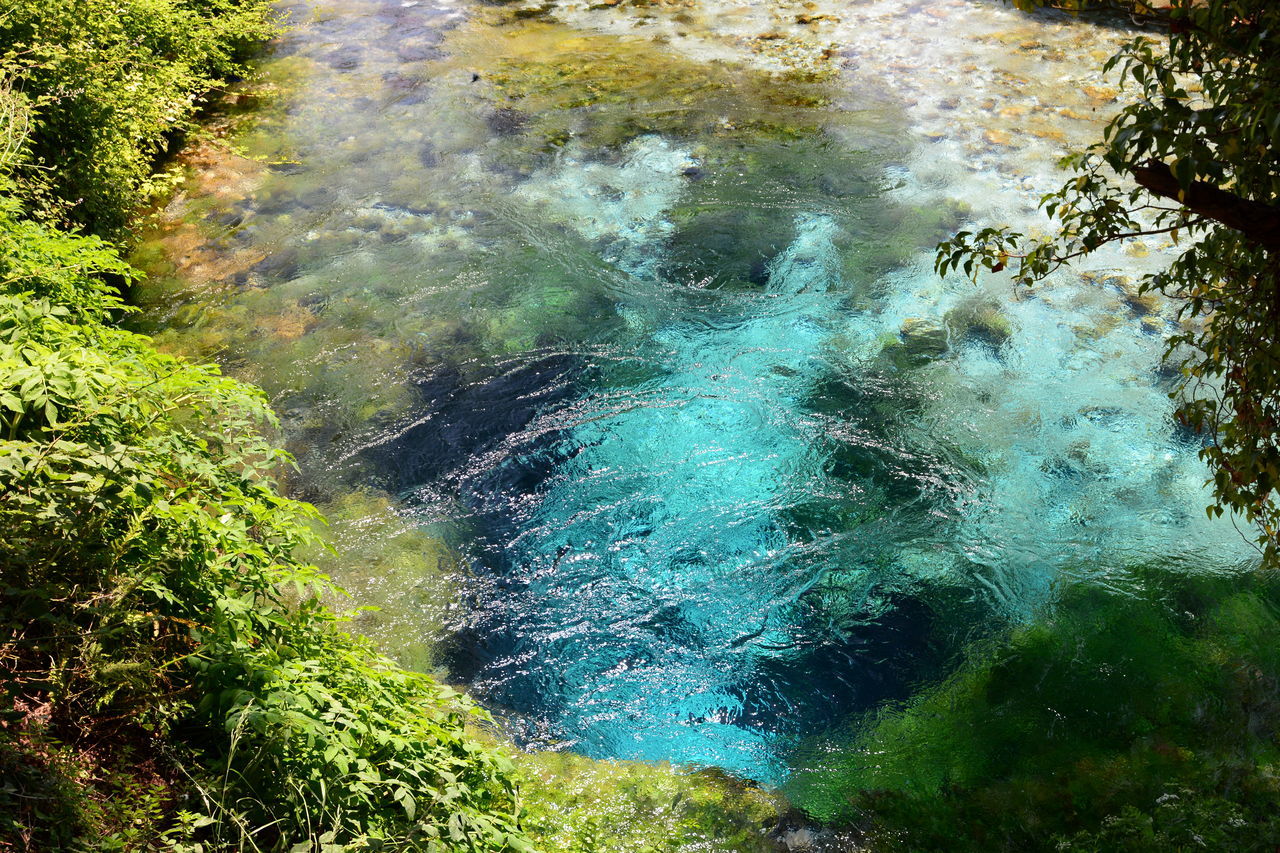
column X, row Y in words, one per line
column 1077, row 725
column 632, row 807
column 384, row 557
column 560, row 83
column 978, row 319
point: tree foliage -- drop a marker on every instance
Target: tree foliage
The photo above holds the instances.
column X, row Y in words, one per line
column 1196, row 157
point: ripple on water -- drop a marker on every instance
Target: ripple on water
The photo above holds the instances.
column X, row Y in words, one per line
column 655, row 344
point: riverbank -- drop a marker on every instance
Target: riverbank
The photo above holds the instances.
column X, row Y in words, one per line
column 171, row 680
column 515, row 280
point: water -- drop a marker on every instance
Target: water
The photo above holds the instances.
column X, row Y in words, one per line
column 630, row 321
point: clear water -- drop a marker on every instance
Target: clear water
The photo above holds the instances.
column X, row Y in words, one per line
column 642, row 327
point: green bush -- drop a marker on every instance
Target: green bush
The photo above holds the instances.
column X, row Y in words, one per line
column 100, row 87
column 150, row 592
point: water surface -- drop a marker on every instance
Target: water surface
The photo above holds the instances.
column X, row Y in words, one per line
column 628, row 320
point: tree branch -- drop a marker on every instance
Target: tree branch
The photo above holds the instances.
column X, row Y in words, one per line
column 1257, row 221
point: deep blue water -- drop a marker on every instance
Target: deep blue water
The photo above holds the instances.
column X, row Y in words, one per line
column 654, row 516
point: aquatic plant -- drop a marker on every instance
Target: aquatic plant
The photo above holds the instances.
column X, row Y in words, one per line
column 578, row 805
column 1115, row 717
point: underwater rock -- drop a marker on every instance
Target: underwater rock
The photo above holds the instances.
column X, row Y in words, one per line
column 1101, row 94
column 346, row 58
column 318, row 198
column 919, row 341
column 291, row 323
column 1153, row 325
column 1142, row 303
column 528, row 12
column 404, row 88
column 288, row 167
column 979, row 321
column 796, row 832
column 998, row 137
column 280, row 265
column 506, row 121
column 418, row 53
column 229, row 219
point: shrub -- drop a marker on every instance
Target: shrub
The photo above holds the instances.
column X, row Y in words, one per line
column 102, row 87
column 151, row 594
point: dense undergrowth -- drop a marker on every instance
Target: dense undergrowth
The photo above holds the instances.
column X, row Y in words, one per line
column 152, row 599
column 170, row 676
column 96, row 91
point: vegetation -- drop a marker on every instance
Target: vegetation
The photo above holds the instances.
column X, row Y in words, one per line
column 1196, row 157
column 1122, row 720
column 153, row 605
column 169, row 672
column 1119, row 721
column 173, row 677
column 578, row 805
column 103, row 88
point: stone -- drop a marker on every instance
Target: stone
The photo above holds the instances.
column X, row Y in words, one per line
column 920, row 341
column 1100, row 94
column 506, row 121
column 978, row 320
column 997, row 137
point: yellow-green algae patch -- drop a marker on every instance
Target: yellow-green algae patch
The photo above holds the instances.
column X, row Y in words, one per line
column 604, row 90
column 635, row 807
column 380, row 556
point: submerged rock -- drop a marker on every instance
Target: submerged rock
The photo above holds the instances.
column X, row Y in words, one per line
column 280, row 265
column 506, row 121
column 919, row 341
column 979, row 321
column 346, row 58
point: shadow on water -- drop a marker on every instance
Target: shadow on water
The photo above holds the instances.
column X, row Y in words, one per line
column 463, row 419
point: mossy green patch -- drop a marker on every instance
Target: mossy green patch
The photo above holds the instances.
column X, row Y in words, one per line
column 978, row 320
column 583, row 806
column 1076, row 726
column 384, row 557
column 554, row 83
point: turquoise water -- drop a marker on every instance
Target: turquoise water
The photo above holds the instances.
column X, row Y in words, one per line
column 662, row 556
column 658, row 353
